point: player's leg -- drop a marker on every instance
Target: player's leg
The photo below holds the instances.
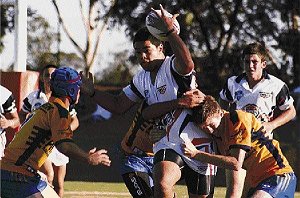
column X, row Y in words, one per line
column 47, row 169
column 59, row 162
column 59, row 178
column 199, row 186
column 138, row 184
column 136, row 172
column 166, row 172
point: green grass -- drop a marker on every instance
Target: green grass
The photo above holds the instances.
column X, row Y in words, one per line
column 119, row 190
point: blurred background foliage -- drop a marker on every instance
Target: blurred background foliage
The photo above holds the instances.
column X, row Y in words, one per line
column 215, row 32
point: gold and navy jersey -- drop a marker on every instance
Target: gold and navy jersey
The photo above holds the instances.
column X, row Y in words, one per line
column 31, row 146
column 264, row 157
column 136, row 140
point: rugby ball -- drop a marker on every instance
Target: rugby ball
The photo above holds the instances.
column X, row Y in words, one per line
column 156, row 26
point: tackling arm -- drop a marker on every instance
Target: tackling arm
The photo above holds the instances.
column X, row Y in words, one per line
column 223, row 161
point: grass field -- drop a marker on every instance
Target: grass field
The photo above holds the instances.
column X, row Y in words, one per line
column 118, row 190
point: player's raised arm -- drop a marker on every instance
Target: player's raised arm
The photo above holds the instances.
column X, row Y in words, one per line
column 183, row 63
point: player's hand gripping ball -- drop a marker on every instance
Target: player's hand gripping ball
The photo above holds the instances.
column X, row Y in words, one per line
column 156, row 25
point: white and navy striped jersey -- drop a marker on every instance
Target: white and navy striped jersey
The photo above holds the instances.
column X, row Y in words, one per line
column 168, row 85
column 183, row 129
column 7, row 102
column 270, row 93
column 36, row 99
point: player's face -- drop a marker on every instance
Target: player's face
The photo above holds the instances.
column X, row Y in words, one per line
column 211, row 123
column 254, row 66
column 46, row 78
column 147, row 54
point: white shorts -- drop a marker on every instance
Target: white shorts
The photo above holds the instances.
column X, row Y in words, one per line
column 57, row 158
column 2, row 144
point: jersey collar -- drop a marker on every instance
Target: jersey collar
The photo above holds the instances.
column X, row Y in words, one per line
column 59, row 101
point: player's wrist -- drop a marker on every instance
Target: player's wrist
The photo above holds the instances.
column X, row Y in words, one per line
column 169, row 32
column 11, row 123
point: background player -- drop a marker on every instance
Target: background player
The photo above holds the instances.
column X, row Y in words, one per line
column 55, row 165
column 258, row 92
column 8, row 116
column 49, row 125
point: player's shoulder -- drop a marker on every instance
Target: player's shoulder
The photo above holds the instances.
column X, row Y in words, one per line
column 238, row 116
column 236, row 79
column 35, row 94
column 274, row 80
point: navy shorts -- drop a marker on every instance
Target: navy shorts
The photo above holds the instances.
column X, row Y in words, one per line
column 196, row 183
column 136, row 172
column 277, row 186
column 16, row 185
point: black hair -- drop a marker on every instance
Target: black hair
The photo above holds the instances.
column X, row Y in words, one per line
column 41, row 83
column 47, row 67
column 143, row 34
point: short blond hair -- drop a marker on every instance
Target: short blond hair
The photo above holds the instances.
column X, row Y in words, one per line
column 207, row 108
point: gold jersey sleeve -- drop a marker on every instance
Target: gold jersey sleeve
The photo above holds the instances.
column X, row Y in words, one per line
column 264, row 157
column 37, row 137
column 136, row 140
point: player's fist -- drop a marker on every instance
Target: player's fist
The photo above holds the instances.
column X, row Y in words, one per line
column 189, row 149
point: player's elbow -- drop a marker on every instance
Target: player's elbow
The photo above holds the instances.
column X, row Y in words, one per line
column 189, row 67
column 235, row 164
column 292, row 111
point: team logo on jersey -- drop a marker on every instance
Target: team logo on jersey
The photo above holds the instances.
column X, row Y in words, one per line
column 146, row 93
column 252, row 108
column 162, row 89
column 168, row 119
column 37, row 105
column 238, row 95
column 265, row 94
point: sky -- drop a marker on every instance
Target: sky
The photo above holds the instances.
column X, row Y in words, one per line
column 112, row 40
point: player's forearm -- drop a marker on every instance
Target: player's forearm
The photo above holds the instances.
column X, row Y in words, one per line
column 226, row 162
column 14, row 121
column 108, row 101
column 71, row 150
column 284, row 117
column 74, row 123
column 182, row 54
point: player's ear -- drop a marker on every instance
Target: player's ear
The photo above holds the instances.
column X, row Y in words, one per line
column 161, row 47
column 264, row 64
column 221, row 114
